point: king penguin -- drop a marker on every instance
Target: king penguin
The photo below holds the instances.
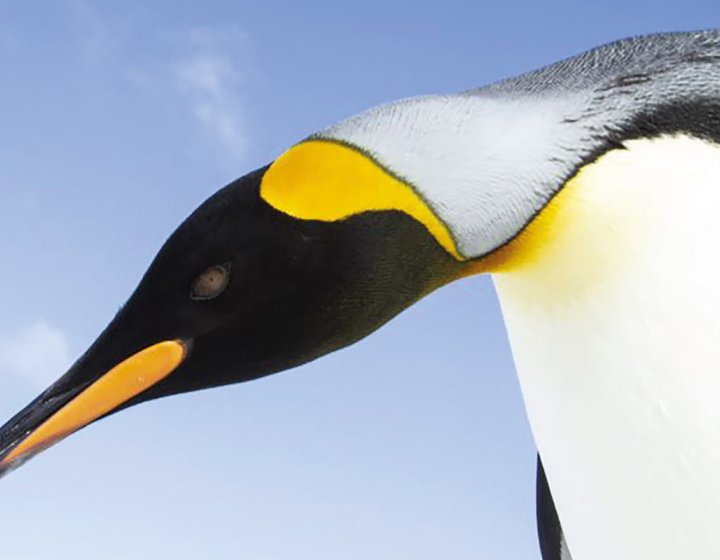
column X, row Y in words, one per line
column 588, row 189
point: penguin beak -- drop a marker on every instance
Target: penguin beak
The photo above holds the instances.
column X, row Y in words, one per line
column 73, row 402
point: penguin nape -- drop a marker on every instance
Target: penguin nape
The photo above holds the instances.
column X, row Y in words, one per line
column 588, row 190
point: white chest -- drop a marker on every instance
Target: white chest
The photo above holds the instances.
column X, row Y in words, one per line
column 613, row 312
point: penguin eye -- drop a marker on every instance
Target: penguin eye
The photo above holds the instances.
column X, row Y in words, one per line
column 211, row 282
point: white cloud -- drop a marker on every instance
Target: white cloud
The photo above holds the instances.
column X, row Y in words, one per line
column 211, row 79
column 39, row 353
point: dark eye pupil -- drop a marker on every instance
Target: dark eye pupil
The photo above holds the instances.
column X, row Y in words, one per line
column 211, row 282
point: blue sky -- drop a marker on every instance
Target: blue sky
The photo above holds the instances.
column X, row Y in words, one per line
column 116, row 120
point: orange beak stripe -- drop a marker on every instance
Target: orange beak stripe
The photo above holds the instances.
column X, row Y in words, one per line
column 126, row 380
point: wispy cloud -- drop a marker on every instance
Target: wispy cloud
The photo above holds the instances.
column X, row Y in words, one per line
column 39, row 354
column 205, row 68
column 211, row 79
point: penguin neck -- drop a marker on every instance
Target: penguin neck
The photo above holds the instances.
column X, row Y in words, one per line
column 612, row 302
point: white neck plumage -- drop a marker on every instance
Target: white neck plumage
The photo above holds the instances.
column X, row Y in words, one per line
column 612, row 303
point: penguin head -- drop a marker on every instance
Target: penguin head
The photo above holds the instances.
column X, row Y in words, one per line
column 240, row 290
column 252, row 290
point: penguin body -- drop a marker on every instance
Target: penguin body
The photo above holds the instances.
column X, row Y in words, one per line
column 614, row 345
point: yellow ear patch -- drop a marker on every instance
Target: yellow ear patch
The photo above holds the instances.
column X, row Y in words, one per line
column 328, row 181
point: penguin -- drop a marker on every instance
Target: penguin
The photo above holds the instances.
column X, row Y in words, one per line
column 588, row 189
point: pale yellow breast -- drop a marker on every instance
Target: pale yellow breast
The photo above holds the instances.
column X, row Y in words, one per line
column 611, row 298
